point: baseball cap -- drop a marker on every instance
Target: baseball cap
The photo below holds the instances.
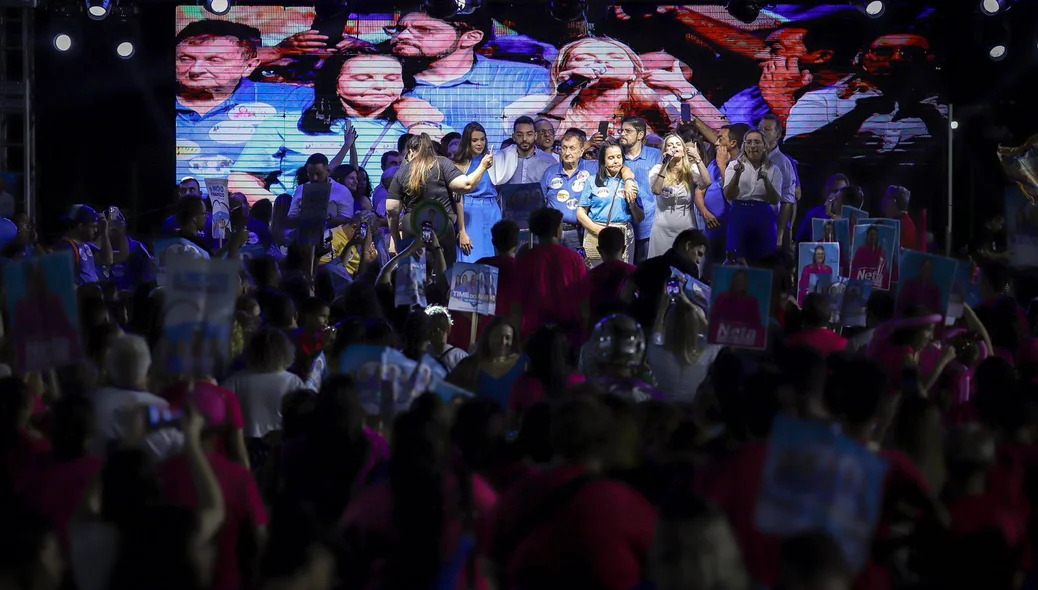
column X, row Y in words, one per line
column 83, row 214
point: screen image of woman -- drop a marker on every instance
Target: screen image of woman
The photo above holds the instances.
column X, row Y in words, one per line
column 363, row 89
column 922, row 289
column 814, row 262
column 735, row 314
column 870, row 261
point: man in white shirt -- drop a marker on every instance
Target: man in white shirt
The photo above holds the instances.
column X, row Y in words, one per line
column 128, row 364
column 523, row 162
column 340, row 204
column 773, row 130
column 751, row 186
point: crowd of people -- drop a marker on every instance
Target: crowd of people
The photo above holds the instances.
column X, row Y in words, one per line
column 604, row 443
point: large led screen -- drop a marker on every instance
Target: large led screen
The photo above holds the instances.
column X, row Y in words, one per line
column 262, row 88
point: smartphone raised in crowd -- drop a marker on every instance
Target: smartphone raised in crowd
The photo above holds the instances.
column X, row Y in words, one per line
column 673, row 288
column 363, row 230
column 427, row 232
column 603, row 128
column 686, row 112
column 163, row 417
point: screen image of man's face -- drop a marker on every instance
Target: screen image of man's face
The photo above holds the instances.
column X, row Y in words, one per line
column 212, row 64
column 420, row 35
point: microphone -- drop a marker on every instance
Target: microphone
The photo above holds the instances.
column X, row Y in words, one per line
column 576, row 81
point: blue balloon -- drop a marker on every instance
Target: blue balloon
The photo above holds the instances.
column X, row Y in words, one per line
column 8, row 230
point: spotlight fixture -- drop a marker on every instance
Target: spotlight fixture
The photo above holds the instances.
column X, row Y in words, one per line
column 450, row 8
column 997, row 52
column 98, row 9
column 746, row 11
column 62, row 42
column 218, row 7
column 954, row 124
column 874, row 8
column 990, row 7
column 125, row 49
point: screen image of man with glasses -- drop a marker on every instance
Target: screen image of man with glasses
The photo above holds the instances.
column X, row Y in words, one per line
column 453, row 78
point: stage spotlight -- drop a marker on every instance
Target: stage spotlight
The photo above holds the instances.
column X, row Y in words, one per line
column 125, row 50
column 954, row 124
column 62, row 42
column 98, row 9
column 746, row 11
column 990, row 7
column 218, row 7
column 875, row 8
column 997, row 52
column 567, row 10
column 450, row 8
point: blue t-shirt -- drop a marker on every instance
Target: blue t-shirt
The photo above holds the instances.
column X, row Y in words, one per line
column 282, row 146
column 483, row 93
column 563, row 192
column 597, row 200
column 208, row 145
column 714, row 199
column 641, row 166
column 86, row 265
column 138, row 268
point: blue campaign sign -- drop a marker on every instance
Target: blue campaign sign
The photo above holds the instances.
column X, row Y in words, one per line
column 313, row 211
column 818, row 479
column 380, row 372
column 518, row 201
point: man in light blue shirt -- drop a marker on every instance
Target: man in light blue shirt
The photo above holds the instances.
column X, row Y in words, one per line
column 640, row 159
column 218, row 108
column 449, row 75
column 563, row 183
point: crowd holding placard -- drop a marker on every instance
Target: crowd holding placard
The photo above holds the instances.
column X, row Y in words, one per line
column 613, row 367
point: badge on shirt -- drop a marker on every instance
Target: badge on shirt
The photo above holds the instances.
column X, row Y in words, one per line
column 572, row 204
column 583, row 175
column 602, row 192
column 578, row 186
column 555, row 184
column 562, row 196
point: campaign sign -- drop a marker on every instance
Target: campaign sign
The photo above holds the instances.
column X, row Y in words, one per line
column 43, row 311
column 696, row 291
column 518, row 201
column 926, row 280
column 856, row 295
column 740, row 306
column 198, row 314
column 313, row 212
column 383, row 376
column 410, row 282
column 834, row 230
column 164, row 249
column 853, row 214
column 816, row 258
column 817, row 479
column 965, row 290
column 474, row 288
column 896, row 224
column 1021, row 228
column 221, row 206
column 873, row 254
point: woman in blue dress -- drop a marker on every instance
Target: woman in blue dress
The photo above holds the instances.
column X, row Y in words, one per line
column 496, row 365
column 481, row 210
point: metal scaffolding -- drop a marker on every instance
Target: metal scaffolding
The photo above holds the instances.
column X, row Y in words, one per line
column 17, row 124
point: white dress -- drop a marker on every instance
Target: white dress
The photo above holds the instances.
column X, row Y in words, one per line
column 675, row 212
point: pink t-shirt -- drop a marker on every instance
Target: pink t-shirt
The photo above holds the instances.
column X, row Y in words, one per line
column 824, row 341
column 551, row 283
column 369, row 517
column 379, row 454
column 917, row 292
column 735, row 320
column 241, row 500
column 805, row 279
column 56, row 488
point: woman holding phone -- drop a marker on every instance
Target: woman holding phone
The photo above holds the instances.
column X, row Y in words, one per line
column 426, row 176
column 481, row 208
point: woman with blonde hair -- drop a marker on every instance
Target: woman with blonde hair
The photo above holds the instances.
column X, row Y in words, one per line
column 674, row 182
column 678, row 353
column 426, row 176
column 618, row 85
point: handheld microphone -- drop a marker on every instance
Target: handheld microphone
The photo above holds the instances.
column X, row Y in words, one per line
column 576, row 81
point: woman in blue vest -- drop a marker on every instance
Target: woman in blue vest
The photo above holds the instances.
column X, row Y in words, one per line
column 482, row 209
